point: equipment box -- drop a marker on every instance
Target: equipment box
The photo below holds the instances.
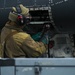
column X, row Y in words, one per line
column 37, row 66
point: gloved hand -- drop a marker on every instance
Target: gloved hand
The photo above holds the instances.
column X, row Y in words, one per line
column 36, row 37
column 44, row 40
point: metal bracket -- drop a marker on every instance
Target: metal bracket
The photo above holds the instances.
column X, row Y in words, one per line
column 37, row 68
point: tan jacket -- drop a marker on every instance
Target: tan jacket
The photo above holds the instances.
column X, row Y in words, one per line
column 20, row 44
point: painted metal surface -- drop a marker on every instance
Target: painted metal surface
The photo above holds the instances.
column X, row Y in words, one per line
column 62, row 12
column 39, row 66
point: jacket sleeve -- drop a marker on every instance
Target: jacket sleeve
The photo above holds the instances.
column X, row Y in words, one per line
column 33, row 48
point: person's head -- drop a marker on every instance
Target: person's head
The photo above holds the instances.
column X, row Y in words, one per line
column 19, row 15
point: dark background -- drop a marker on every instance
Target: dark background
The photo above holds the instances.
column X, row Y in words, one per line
column 63, row 12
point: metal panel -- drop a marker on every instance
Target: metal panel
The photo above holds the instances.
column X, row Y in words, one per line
column 57, row 71
column 3, row 16
column 45, row 61
column 26, row 2
column 55, row 1
column 63, row 12
column 40, row 66
column 4, row 62
column 7, row 70
column 10, row 3
column 53, row 66
column 1, row 3
column 42, row 2
column 46, row 70
column 24, row 71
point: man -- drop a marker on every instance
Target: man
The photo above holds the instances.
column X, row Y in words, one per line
column 15, row 42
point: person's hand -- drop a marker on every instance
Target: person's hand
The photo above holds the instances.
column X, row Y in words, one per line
column 36, row 37
column 44, row 40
